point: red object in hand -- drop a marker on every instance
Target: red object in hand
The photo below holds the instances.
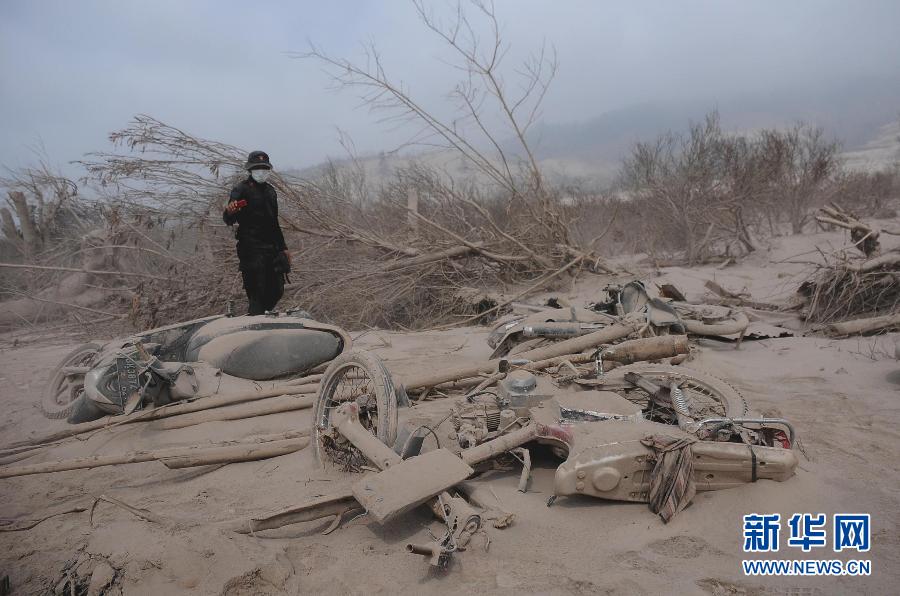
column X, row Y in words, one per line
column 236, row 206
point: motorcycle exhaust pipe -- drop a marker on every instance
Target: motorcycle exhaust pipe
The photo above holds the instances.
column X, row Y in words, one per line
column 559, row 330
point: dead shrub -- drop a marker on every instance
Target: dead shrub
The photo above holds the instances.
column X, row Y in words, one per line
column 708, row 195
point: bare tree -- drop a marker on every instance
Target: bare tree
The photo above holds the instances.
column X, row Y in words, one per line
column 677, row 183
column 708, row 193
column 807, row 162
column 41, row 204
column 487, row 111
column 360, row 261
column 161, row 168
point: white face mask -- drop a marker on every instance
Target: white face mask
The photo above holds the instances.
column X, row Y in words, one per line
column 260, row 175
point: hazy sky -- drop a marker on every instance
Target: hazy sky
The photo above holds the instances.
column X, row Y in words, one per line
column 74, row 70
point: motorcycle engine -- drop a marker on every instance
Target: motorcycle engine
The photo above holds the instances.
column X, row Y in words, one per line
column 477, row 421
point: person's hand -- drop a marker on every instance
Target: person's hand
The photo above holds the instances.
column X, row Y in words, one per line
column 287, row 253
column 235, row 206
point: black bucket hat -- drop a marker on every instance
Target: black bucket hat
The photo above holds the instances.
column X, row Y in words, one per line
column 258, row 159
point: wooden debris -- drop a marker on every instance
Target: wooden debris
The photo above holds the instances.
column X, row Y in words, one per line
column 88, row 271
column 863, row 326
column 307, row 380
column 574, row 345
column 234, row 453
column 11, row 525
column 273, row 405
column 730, row 298
column 319, row 508
column 864, row 237
column 173, row 409
column 176, row 457
column 141, row 513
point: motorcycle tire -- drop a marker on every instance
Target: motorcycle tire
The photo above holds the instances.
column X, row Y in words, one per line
column 344, row 379
column 60, row 396
column 712, row 397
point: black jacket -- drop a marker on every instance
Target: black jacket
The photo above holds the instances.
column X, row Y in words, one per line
column 258, row 226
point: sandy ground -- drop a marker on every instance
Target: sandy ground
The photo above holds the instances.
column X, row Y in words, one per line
column 842, row 396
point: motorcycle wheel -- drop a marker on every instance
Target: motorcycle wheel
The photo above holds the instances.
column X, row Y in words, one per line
column 362, row 377
column 65, row 387
column 708, row 396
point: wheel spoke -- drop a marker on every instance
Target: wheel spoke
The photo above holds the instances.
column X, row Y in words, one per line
column 351, row 382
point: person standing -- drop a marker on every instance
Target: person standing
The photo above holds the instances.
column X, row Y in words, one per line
column 262, row 252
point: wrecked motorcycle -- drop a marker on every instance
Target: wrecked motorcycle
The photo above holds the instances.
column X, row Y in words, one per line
column 187, row 360
column 648, row 433
column 519, row 333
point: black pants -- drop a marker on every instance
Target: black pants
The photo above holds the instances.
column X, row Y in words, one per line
column 264, row 287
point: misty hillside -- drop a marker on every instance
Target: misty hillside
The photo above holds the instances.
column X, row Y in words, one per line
column 853, row 111
column 880, row 153
column 862, row 113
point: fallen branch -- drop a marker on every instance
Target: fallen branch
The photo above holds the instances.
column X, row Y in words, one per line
column 235, row 453
column 89, row 271
column 141, row 513
column 574, row 345
column 892, row 258
column 176, row 457
column 319, row 508
column 9, row 525
column 69, row 305
column 528, row 290
column 18, row 455
column 863, row 326
column 864, row 237
column 733, row 299
column 174, row 409
column 627, row 352
column 307, row 380
column 273, row 405
column 451, row 253
column 476, row 246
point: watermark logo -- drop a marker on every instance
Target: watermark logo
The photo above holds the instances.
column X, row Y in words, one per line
column 807, row 531
column 761, row 533
column 852, row 531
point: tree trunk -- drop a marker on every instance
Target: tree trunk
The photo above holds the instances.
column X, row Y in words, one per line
column 412, row 205
column 30, row 234
column 10, row 231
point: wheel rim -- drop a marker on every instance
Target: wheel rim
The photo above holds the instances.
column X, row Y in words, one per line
column 350, row 382
column 703, row 401
column 68, row 384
